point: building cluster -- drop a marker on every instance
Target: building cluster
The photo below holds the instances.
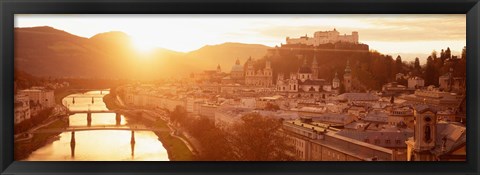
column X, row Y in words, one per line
column 307, row 80
column 411, row 122
column 29, row 102
column 352, row 126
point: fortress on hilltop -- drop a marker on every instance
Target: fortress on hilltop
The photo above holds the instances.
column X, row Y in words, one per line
column 324, row 37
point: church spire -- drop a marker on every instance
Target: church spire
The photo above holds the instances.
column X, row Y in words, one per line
column 314, row 57
column 237, row 62
column 219, row 70
column 347, row 68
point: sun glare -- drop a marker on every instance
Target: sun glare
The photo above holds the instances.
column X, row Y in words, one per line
column 143, row 46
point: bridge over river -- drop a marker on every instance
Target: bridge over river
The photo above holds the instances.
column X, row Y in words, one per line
column 73, row 129
column 97, row 133
column 97, row 127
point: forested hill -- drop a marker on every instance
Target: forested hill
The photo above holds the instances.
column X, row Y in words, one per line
column 370, row 69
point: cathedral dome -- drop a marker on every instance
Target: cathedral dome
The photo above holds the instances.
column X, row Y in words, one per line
column 237, row 67
column 305, row 69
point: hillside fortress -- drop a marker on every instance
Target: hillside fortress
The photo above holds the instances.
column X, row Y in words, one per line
column 324, row 37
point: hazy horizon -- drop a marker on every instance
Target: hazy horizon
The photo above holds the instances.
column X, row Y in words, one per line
column 410, row 35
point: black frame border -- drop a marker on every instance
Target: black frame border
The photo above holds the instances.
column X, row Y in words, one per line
column 10, row 7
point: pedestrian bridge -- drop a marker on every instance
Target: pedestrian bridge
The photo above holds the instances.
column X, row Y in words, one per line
column 92, row 111
column 86, row 96
column 98, row 127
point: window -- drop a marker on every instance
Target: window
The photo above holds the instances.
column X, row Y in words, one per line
column 387, row 141
column 427, row 138
column 397, row 142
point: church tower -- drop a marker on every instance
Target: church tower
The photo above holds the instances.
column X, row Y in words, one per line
column 268, row 73
column 424, row 134
column 250, row 70
column 219, row 69
column 336, row 81
column 347, row 78
column 314, row 66
column 268, row 68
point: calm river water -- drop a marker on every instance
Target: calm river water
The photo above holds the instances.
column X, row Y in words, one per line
column 99, row 145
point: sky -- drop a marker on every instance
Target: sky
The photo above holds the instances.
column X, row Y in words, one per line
column 409, row 35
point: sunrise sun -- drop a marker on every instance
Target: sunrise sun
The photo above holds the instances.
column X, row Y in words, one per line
column 143, row 46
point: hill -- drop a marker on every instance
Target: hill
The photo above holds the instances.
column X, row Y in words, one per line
column 46, row 51
column 226, row 54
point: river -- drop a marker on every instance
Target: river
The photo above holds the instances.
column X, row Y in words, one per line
column 99, row 145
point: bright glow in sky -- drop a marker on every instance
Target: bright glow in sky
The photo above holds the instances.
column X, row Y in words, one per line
column 389, row 34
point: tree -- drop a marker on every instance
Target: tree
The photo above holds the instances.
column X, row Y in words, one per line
column 434, row 54
column 398, row 64
column 461, row 67
column 442, row 55
column 178, row 115
column 417, row 64
column 214, row 140
column 448, row 53
column 430, row 72
column 392, row 100
column 259, row 138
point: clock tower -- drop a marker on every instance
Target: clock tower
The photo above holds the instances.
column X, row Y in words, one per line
column 424, row 134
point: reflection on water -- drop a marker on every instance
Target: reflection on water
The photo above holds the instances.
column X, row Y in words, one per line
column 99, row 145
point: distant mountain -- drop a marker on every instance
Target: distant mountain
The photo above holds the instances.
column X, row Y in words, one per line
column 225, row 54
column 46, row 51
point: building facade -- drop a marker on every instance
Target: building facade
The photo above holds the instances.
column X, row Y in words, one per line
column 315, row 141
column 415, row 82
column 40, row 96
column 22, row 108
column 305, row 80
column 258, row 77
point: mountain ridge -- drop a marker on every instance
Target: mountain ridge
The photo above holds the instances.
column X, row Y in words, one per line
column 46, row 51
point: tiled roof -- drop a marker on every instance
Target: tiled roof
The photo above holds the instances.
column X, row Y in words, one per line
column 421, row 108
column 450, row 136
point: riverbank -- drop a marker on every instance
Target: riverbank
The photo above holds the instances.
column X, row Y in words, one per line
column 62, row 93
column 177, row 150
column 24, row 148
column 111, row 102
